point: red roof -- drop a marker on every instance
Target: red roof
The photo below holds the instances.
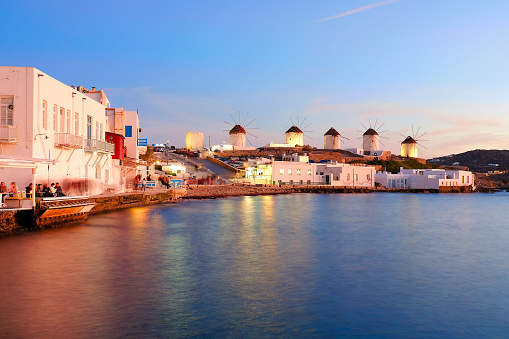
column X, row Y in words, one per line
column 409, row 140
column 294, row 129
column 332, row 131
column 237, row 129
column 370, row 131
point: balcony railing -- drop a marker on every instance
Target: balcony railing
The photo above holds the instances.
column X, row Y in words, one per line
column 142, row 142
column 65, row 140
column 8, row 134
column 94, row 145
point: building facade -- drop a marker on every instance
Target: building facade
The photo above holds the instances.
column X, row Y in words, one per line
column 46, row 119
column 425, row 179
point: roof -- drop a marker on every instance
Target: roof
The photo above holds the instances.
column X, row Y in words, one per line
column 294, row 129
column 409, row 140
column 370, row 131
column 237, row 129
column 332, row 131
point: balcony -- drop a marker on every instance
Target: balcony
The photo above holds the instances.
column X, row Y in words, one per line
column 142, row 142
column 67, row 140
column 8, row 134
column 94, row 145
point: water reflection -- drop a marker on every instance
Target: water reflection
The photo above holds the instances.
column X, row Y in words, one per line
column 297, row 265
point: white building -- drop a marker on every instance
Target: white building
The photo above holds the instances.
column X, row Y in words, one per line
column 297, row 170
column 126, row 123
column 425, row 179
column 46, row 119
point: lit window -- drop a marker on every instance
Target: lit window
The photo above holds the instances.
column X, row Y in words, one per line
column 281, row 171
column 55, row 112
column 348, row 177
column 68, row 127
column 468, row 179
column 44, row 115
column 289, row 171
column 298, row 171
column 309, row 172
column 356, row 177
column 62, row 120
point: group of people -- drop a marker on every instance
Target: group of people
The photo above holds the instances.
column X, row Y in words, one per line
column 53, row 190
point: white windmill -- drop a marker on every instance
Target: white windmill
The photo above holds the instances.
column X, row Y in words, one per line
column 409, row 145
column 371, row 138
column 294, row 136
column 238, row 132
column 332, row 139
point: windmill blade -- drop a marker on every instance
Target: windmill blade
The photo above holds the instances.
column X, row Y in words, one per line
column 292, row 122
column 245, row 118
column 306, row 126
column 374, row 127
column 381, row 143
column 226, row 130
column 369, row 120
column 420, row 136
column 422, row 146
column 413, row 134
column 383, row 131
column 251, row 134
column 417, row 133
column 364, row 127
column 248, row 141
column 233, row 119
column 306, row 136
column 302, row 123
column 228, row 123
column 342, row 137
column 402, row 135
column 251, row 128
column 360, row 131
column 381, row 126
column 381, row 136
column 298, row 123
column 239, row 118
column 249, row 123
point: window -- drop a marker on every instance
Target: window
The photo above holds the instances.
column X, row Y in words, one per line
column 309, row 172
column 55, row 112
column 289, row 171
column 101, row 132
column 7, row 109
column 356, row 177
column 44, row 115
column 281, row 171
column 128, row 131
column 367, row 177
column 309, row 182
column 76, row 124
column 291, row 182
column 89, row 127
column 68, row 126
column 468, row 179
column 298, row 171
column 301, row 182
column 62, row 120
column 462, row 179
column 97, row 135
column 348, row 177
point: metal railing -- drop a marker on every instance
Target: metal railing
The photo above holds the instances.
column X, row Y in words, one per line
column 68, row 140
column 8, row 134
column 142, row 142
column 99, row 146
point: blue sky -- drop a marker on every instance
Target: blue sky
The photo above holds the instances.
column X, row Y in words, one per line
column 187, row 65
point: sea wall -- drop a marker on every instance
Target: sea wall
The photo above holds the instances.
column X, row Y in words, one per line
column 221, row 191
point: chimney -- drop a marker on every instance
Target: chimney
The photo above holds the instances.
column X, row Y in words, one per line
column 93, row 89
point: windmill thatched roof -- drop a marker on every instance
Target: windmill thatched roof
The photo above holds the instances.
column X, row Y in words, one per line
column 409, row 140
column 332, row 131
column 237, row 129
column 370, row 131
column 294, row 129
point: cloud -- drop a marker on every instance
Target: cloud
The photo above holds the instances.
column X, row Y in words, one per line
column 359, row 9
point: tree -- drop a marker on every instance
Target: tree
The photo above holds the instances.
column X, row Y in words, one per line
column 148, row 156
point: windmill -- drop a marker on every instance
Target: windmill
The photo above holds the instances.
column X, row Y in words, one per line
column 294, row 136
column 371, row 138
column 409, row 145
column 332, row 139
column 238, row 132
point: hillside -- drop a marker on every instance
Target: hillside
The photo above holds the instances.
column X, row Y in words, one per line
column 482, row 161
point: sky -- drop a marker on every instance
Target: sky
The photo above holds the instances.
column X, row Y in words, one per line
column 437, row 66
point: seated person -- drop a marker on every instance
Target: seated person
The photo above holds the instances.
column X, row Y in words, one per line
column 58, row 190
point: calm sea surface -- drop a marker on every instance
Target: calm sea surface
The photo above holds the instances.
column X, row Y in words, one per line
column 300, row 265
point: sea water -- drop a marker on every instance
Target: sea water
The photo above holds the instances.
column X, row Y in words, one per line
column 300, row 265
